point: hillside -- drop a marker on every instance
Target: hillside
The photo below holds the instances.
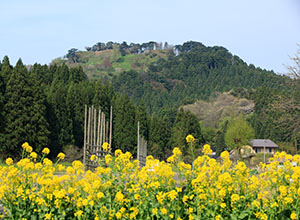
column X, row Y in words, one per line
column 170, row 76
column 220, row 106
column 105, row 64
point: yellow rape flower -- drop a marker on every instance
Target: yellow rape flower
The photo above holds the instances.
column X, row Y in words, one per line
column 190, row 138
column 176, row 151
column 9, row 161
column 93, row 158
column 119, row 197
column 47, row 216
column 61, row 156
column 28, row 149
column 118, row 152
column 118, row 215
column 25, row 145
column 79, row 213
column 206, row 149
column 235, row 198
column 46, row 150
column 100, row 195
column 164, row 211
column 218, row 217
column 106, row 146
column 293, row 216
column 33, row 155
column 108, row 159
column 154, row 211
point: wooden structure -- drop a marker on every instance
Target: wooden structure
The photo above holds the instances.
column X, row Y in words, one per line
column 97, row 130
column 263, row 146
column 141, row 148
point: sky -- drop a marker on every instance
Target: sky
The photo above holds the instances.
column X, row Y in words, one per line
column 261, row 32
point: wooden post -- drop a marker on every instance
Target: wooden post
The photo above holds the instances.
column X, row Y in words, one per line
column 95, row 125
column 84, row 138
column 138, row 141
column 110, row 127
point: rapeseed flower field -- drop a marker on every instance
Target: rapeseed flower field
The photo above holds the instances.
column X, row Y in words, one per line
column 121, row 189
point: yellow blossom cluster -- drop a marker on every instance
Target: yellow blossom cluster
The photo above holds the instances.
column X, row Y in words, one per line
column 119, row 188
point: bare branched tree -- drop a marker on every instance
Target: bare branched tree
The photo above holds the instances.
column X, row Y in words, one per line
column 289, row 106
column 294, row 71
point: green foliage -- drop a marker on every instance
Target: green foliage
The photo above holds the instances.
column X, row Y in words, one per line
column 220, row 138
column 159, row 137
column 238, row 133
column 124, row 124
column 186, row 123
column 24, row 112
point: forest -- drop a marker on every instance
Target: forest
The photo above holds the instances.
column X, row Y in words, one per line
column 44, row 104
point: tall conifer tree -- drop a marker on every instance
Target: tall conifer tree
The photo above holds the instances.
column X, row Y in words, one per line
column 24, row 119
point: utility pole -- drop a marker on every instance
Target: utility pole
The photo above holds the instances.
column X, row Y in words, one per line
column 138, row 141
column 264, row 150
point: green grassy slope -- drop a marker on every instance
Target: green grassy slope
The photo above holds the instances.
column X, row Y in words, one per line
column 106, row 63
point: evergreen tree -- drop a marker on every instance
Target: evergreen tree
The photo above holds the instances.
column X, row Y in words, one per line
column 75, row 102
column 6, row 69
column 59, row 117
column 186, row 123
column 160, row 133
column 40, row 132
column 220, row 138
column 124, row 125
column 143, row 118
column 24, row 119
column 103, row 96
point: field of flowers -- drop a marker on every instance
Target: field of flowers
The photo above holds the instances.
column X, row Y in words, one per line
column 121, row 189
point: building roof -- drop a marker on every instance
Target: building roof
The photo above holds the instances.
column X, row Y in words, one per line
column 263, row 143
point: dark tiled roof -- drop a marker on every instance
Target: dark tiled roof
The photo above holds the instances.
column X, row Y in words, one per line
column 262, row 143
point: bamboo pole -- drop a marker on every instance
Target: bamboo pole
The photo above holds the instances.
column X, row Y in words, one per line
column 104, row 132
column 91, row 129
column 98, row 130
column 101, row 131
column 106, row 139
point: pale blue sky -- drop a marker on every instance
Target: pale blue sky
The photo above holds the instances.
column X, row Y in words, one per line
column 262, row 32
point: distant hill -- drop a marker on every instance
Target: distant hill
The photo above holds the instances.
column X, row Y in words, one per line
column 112, row 60
column 170, row 76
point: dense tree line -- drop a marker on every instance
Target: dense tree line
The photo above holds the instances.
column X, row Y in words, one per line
column 44, row 105
column 132, row 48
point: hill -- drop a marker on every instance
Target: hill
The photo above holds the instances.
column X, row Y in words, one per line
column 170, row 76
column 111, row 61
